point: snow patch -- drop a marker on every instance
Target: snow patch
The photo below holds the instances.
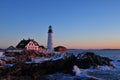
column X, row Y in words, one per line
column 1, row 54
column 38, row 60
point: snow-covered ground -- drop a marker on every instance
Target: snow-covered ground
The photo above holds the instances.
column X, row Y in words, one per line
column 38, row 60
column 1, row 54
column 52, row 58
column 102, row 73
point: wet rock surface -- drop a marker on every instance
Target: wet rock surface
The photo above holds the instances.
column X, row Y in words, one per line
column 88, row 59
column 37, row 71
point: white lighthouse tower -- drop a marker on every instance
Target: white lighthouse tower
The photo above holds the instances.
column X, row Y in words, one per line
column 50, row 39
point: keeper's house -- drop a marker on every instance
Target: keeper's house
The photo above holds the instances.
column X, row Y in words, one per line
column 29, row 44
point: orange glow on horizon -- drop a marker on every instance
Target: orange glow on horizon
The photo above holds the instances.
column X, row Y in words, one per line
column 102, row 45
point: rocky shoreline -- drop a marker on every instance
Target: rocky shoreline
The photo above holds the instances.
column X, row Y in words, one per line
column 37, row 71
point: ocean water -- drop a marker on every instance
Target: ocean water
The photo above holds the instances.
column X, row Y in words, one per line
column 104, row 72
column 114, row 54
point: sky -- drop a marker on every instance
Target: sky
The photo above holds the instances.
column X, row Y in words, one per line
column 78, row 24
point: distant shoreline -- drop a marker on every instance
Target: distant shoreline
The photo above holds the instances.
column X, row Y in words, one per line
column 93, row 49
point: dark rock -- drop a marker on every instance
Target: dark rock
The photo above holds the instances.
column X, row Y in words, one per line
column 89, row 59
column 118, row 60
column 36, row 71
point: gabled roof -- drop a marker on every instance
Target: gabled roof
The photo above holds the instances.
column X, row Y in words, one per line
column 24, row 42
column 11, row 48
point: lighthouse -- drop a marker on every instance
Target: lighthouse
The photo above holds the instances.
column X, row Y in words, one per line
column 50, row 39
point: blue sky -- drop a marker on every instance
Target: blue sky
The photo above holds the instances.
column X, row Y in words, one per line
column 76, row 23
